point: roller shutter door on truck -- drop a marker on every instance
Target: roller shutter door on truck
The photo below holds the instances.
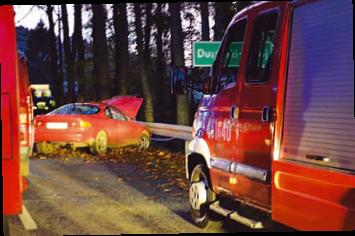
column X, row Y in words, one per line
column 319, row 123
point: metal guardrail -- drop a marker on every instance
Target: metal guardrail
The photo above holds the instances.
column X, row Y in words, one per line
column 169, row 130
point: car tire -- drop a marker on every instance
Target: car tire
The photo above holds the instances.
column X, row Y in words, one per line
column 45, row 148
column 100, row 144
column 144, row 142
column 201, row 196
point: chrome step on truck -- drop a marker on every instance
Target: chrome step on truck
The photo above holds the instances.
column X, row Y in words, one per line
column 233, row 214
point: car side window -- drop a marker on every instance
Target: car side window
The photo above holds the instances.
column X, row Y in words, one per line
column 261, row 49
column 117, row 115
column 232, row 45
column 108, row 113
column 84, row 109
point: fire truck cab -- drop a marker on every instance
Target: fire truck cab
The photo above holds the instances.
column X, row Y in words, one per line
column 274, row 134
column 16, row 116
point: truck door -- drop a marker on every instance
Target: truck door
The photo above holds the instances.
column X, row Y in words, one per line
column 221, row 126
column 256, row 103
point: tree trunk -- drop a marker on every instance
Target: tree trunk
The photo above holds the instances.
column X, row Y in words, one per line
column 147, row 30
column 69, row 61
column 148, row 97
column 177, row 53
column 60, row 50
column 68, row 55
column 121, row 48
column 58, row 88
column 79, row 49
column 205, row 21
column 223, row 16
column 161, row 65
column 101, row 76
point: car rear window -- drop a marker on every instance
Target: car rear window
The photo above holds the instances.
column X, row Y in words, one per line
column 62, row 110
column 77, row 109
column 84, row 109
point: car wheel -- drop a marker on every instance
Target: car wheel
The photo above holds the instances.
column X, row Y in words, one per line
column 201, row 196
column 144, row 141
column 100, row 144
column 45, row 148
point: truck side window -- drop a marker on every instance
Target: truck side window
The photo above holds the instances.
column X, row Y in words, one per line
column 261, row 49
column 231, row 53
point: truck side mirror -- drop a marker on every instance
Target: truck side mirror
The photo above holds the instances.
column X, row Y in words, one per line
column 178, row 80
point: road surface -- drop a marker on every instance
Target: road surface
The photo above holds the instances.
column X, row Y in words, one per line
column 119, row 194
column 73, row 197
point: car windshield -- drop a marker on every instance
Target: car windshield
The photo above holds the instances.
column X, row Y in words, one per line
column 77, row 109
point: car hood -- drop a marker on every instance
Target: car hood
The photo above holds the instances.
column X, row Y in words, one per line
column 129, row 105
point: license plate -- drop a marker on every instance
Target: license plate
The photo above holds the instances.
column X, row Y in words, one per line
column 57, row 125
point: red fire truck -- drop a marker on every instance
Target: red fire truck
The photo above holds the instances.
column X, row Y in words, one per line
column 16, row 116
column 274, row 134
column 26, row 117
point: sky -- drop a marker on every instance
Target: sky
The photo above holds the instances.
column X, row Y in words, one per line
column 30, row 15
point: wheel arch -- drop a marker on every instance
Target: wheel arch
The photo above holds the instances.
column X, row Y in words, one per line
column 198, row 153
column 192, row 160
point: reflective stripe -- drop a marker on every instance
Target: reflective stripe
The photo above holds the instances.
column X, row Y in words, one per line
column 239, row 168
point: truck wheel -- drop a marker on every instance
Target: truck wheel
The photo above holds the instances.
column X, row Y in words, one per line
column 45, row 148
column 144, row 142
column 200, row 196
column 100, row 144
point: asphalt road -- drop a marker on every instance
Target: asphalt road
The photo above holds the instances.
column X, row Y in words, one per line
column 73, row 197
column 119, row 194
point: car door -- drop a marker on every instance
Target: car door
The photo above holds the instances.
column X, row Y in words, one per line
column 122, row 128
column 109, row 124
column 256, row 103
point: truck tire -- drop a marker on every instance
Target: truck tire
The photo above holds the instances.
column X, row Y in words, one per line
column 200, row 196
column 100, row 144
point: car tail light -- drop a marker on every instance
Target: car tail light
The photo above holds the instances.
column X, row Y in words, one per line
column 85, row 124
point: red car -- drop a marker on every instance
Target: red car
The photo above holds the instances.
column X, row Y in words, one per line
column 96, row 125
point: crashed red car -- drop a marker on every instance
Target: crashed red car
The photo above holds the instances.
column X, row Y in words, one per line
column 96, row 125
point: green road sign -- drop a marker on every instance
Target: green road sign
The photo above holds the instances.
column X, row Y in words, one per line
column 205, row 52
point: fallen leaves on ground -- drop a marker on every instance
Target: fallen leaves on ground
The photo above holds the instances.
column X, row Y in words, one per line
column 160, row 163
